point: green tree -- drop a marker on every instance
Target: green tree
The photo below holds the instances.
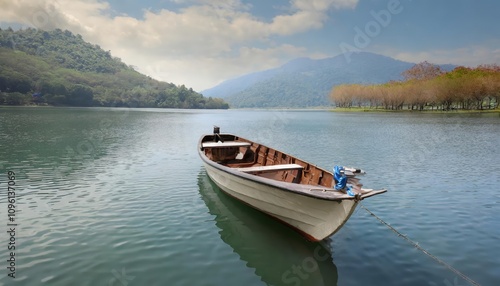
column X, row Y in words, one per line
column 80, row 95
column 15, row 98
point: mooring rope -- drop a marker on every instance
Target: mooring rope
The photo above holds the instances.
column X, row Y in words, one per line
column 451, row 268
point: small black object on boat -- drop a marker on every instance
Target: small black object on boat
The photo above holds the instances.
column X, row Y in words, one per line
column 217, row 136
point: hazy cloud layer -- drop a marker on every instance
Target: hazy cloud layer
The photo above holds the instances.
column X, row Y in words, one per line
column 468, row 56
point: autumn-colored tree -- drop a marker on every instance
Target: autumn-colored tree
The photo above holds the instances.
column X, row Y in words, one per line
column 422, row 71
column 492, row 84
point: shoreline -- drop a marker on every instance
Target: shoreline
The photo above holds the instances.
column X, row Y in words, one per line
column 326, row 108
column 459, row 111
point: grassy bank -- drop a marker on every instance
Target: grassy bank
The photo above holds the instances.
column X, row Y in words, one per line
column 366, row 109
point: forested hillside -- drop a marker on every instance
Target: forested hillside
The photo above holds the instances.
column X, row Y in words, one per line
column 305, row 82
column 60, row 68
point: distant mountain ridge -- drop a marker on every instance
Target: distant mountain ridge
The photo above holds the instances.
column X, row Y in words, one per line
column 306, row 82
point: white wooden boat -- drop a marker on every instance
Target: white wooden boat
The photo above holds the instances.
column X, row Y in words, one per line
column 308, row 198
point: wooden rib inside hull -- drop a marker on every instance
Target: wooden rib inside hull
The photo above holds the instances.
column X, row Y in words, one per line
column 257, row 155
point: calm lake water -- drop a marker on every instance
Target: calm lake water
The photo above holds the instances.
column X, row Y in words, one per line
column 119, row 197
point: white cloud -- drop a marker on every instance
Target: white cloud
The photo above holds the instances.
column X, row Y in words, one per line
column 198, row 46
column 208, row 71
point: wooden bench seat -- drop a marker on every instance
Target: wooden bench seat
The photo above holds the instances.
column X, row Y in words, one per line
column 271, row 168
column 224, row 144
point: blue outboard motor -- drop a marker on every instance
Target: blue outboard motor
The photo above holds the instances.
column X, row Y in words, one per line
column 341, row 179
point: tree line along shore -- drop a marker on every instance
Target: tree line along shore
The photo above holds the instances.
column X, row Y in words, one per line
column 427, row 87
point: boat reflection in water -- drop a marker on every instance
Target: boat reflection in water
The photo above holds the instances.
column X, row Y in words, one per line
column 279, row 255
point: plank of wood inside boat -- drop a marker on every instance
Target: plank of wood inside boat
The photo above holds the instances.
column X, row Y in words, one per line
column 270, row 168
column 224, row 144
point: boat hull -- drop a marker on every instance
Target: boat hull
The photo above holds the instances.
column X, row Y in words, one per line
column 315, row 218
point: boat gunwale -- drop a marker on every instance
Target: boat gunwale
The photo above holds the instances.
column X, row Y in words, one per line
column 320, row 192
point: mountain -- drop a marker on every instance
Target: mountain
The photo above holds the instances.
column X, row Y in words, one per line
column 60, row 68
column 305, row 82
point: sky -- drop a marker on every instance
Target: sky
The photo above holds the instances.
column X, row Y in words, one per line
column 200, row 43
